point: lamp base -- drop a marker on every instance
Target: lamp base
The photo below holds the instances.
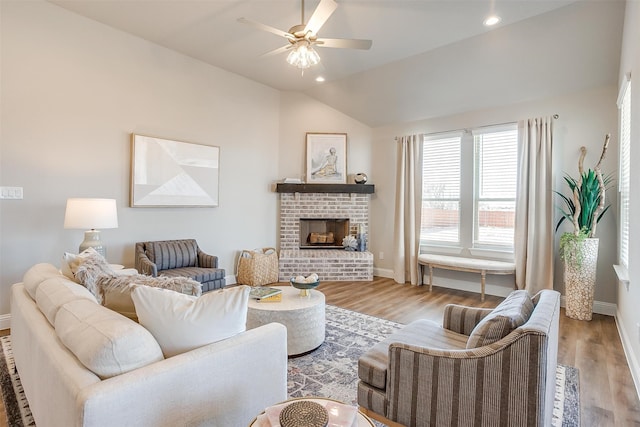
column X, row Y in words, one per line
column 92, row 240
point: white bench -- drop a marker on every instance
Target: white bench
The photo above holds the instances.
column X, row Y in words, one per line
column 470, row 265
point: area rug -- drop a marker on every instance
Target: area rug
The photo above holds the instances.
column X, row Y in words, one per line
column 330, row 371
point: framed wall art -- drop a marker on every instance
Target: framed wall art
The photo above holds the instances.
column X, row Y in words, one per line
column 327, row 158
column 173, row 173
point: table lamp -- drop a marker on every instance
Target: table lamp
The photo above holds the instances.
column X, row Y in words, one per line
column 91, row 214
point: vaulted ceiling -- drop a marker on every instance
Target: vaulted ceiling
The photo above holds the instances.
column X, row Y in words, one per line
column 429, row 58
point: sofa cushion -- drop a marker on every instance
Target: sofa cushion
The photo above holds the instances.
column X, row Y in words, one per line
column 172, row 253
column 200, row 274
column 105, row 342
column 510, row 314
column 183, row 322
column 55, row 292
column 36, row 275
column 372, row 366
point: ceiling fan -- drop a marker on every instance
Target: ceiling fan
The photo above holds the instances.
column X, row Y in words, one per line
column 303, row 37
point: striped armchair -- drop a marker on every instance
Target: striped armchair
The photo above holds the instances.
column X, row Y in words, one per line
column 179, row 258
column 483, row 367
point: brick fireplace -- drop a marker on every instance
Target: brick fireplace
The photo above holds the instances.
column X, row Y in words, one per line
column 308, row 201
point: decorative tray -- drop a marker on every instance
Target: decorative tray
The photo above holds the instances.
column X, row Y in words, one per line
column 304, row 414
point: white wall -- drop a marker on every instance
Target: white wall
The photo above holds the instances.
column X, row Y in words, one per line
column 585, row 118
column 73, row 91
column 628, row 316
column 301, row 114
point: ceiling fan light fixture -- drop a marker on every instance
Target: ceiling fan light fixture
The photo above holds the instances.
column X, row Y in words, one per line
column 303, row 57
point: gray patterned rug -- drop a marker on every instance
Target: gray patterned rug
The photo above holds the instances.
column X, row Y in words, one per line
column 330, row 371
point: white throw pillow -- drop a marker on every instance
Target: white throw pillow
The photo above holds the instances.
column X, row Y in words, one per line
column 105, row 342
column 182, row 322
column 65, row 266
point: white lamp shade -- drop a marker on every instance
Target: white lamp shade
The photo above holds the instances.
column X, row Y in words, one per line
column 91, row 214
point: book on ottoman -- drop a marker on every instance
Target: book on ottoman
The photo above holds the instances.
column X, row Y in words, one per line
column 262, row 293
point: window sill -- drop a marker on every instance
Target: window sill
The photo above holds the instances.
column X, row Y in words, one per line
column 445, row 250
column 492, row 253
column 623, row 275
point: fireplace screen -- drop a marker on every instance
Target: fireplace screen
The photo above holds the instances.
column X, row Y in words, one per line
column 323, row 233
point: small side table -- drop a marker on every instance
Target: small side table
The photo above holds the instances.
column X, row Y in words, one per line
column 304, row 318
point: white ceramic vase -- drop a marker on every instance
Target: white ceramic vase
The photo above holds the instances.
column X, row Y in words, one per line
column 580, row 281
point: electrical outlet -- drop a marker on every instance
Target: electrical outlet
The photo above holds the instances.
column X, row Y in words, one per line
column 638, row 328
column 381, row 255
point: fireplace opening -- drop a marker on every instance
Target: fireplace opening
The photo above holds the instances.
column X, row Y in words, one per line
column 323, row 233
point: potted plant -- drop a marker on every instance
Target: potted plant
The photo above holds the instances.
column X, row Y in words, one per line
column 584, row 208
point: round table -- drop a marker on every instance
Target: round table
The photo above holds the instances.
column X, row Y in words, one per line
column 363, row 420
column 303, row 317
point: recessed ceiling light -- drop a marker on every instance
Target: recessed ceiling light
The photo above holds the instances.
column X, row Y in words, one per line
column 492, row 20
column 319, row 79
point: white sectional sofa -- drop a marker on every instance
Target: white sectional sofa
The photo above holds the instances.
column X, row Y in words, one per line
column 58, row 328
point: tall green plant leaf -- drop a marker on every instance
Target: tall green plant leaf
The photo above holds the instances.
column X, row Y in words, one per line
column 588, row 196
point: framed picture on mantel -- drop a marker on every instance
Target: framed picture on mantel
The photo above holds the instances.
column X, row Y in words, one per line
column 326, row 158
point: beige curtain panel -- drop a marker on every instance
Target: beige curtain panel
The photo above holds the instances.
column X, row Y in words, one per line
column 534, row 206
column 408, row 209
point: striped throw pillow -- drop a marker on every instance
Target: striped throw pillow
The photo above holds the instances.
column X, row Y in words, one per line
column 510, row 314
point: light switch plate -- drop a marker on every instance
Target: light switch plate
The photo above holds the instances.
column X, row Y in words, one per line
column 11, row 193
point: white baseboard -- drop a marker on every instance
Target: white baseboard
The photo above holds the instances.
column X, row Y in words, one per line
column 498, row 291
column 5, row 321
column 632, row 359
column 599, row 307
column 460, row 285
column 383, row 272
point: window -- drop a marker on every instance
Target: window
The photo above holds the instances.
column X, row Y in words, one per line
column 496, row 154
column 624, row 103
column 469, row 189
column 441, row 189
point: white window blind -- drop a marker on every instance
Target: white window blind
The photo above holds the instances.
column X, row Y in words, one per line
column 441, row 189
column 496, row 157
column 624, row 104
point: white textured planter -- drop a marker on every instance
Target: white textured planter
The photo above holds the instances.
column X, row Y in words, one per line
column 580, row 281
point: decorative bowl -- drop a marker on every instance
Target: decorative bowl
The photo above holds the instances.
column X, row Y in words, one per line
column 304, row 287
column 360, row 178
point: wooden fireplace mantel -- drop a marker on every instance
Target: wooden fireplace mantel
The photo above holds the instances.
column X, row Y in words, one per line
column 325, row 188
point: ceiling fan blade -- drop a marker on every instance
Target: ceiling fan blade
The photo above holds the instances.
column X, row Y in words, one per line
column 345, row 43
column 267, row 28
column 320, row 16
column 277, row 51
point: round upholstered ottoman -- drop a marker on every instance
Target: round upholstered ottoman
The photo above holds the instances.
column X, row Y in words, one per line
column 303, row 316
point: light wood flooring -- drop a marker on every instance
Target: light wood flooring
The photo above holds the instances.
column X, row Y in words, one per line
column 607, row 393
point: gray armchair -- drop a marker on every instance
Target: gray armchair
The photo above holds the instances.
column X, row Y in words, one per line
column 179, row 258
column 481, row 368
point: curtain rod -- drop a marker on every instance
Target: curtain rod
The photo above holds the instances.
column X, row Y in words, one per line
column 555, row 116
